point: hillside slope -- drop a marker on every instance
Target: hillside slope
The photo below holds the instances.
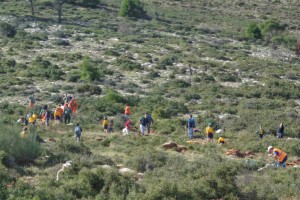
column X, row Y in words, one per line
column 185, row 57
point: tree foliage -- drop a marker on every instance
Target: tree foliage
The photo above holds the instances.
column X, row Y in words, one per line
column 7, row 30
column 88, row 71
column 253, row 31
column 84, row 3
column 132, row 8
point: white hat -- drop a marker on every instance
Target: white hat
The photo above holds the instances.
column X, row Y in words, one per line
column 270, row 147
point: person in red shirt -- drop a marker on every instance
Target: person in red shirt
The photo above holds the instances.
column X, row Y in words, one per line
column 127, row 127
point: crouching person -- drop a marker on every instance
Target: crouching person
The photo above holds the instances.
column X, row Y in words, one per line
column 279, row 155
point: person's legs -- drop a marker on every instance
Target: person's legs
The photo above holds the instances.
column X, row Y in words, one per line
column 142, row 127
column 190, row 131
column 282, row 164
column 148, row 128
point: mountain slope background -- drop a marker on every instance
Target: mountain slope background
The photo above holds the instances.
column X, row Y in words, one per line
column 230, row 63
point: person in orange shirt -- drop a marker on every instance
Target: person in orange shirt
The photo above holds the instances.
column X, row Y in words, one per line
column 127, row 110
column 279, row 155
column 58, row 114
column 73, row 105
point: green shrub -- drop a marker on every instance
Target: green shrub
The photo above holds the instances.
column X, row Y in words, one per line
column 89, row 88
column 85, row 3
column 143, row 161
column 253, row 31
column 127, row 64
column 22, row 150
column 270, row 26
column 132, row 8
column 7, row 30
column 44, row 68
column 88, row 71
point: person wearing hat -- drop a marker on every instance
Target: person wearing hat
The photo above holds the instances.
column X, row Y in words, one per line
column 279, row 155
column 210, row 132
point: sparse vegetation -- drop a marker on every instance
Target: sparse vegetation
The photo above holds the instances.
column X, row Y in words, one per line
column 229, row 63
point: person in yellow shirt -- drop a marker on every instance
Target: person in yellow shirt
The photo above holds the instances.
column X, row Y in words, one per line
column 24, row 133
column 221, row 140
column 210, row 132
column 105, row 125
column 260, row 132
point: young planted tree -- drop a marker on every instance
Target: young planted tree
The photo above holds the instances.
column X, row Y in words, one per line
column 32, row 7
column 59, row 9
column 298, row 48
column 132, row 8
column 253, row 31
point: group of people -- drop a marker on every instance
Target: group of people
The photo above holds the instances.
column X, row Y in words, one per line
column 60, row 113
column 70, row 106
column 280, row 132
column 278, row 154
column 144, row 123
column 191, row 125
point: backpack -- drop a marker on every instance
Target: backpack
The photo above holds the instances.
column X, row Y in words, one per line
column 48, row 114
column 67, row 111
column 149, row 119
column 143, row 121
column 191, row 123
column 77, row 130
column 73, row 103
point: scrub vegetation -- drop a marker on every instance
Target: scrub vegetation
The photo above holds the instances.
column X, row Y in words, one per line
column 229, row 63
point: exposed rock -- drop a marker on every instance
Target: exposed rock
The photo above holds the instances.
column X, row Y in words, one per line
column 125, row 170
column 181, row 149
column 169, row 145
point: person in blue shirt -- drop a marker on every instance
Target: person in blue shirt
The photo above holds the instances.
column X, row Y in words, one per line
column 191, row 125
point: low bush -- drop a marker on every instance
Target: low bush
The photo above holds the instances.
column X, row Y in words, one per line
column 23, row 150
column 127, row 64
column 89, row 88
column 147, row 160
column 7, row 30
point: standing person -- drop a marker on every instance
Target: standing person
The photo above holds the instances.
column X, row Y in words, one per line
column 111, row 125
column 77, row 132
column 43, row 114
column 210, row 132
column 33, row 118
column 127, row 110
column 48, row 117
column 73, row 105
column 127, row 127
column 105, row 125
column 67, row 115
column 149, row 122
column 279, row 155
column 58, row 114
column 280, row 132
column 191, row 125
column 260, row 132
column 31, row 101
column 142, row 123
